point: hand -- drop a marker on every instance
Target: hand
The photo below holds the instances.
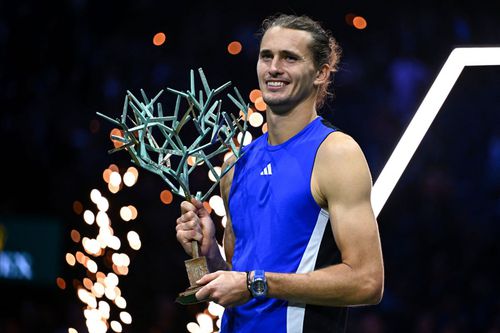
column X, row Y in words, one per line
column 226, row 288
column 195, row 223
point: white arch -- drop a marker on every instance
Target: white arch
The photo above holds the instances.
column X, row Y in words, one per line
column 426, row 112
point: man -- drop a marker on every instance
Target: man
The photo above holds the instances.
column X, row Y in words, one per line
column 301, row 239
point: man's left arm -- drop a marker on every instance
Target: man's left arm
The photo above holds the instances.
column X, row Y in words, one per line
column 341, row 183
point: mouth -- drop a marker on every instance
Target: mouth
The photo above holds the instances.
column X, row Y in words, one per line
column 275, row 84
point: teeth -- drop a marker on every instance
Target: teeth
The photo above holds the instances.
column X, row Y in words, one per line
column 275, row 84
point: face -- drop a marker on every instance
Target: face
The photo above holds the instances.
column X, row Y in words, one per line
column 285, row 69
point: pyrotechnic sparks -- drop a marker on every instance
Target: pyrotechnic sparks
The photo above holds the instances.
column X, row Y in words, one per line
column 104, row 255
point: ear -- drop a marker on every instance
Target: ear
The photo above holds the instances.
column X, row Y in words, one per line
column 322, row 75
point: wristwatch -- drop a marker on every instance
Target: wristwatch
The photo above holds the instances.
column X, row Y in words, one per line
column 257, row 285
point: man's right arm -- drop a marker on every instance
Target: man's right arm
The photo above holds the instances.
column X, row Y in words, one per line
column 195, row 224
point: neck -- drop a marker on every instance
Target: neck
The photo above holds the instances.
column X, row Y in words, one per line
column 282, row 127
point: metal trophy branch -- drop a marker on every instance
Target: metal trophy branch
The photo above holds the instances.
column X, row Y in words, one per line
column 157, row 143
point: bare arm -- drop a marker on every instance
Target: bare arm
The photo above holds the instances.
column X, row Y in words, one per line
column 341, row 183
column 227, row 288
column 225, row 187
column 195, row 223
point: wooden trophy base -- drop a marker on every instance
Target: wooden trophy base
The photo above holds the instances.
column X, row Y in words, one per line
column 189, row 296
column 196, row 268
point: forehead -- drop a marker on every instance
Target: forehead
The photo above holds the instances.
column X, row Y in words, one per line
column 277, row 39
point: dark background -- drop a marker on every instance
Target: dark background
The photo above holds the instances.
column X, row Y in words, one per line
column 62, row 61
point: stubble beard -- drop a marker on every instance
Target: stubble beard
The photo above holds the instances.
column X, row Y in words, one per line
column 279, row 105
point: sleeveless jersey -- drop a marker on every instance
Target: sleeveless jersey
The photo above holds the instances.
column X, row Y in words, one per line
column 279, row 227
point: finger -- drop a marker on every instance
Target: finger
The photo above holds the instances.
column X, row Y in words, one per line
column 207, row 278
column 187, row 206
column 203, row 294
column 197, row 203
column 201, row 211
column 185, row 236
column 190, row 225
column 190, row 215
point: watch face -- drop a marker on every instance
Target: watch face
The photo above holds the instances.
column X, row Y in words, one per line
column 259, row 287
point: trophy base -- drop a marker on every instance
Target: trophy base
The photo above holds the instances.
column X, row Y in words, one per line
column 189, row 296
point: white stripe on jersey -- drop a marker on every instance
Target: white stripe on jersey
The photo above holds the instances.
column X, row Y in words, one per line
column 296, row 311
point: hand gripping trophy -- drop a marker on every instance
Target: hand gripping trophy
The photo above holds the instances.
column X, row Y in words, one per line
column 157, row 143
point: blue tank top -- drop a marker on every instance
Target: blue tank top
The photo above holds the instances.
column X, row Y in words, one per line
column 279, row 227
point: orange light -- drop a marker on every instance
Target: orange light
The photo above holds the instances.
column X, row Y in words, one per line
column 349, row 17
column 75, row 236
column 88, row 283
column 254, row 94
column 260, row 104
column 234, row 48
column 133, row 171
column 61, row 283
column 105, row 175
column 207, row 207
column 166, row 197
column 113, row 167
column 77, row 207
column 191, row 160
column 159, row 39
column 116, row 132
column 133, row 210
column 359, row 22
column 120, row 270
column 100, row 276
column 264, row 128
column 80, row 257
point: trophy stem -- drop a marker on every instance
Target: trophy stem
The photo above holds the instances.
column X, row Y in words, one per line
column 195, row 253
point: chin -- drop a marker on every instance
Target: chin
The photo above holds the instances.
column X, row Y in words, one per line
column 279, row 109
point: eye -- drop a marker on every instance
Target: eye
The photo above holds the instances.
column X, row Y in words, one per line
column 291, row 58
column 266, row 56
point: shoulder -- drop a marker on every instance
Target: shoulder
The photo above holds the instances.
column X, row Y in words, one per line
column 340, row 168
column 227, row 178
column 340, row 147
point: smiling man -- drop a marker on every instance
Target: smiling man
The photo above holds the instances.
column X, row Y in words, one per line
column 301, row 239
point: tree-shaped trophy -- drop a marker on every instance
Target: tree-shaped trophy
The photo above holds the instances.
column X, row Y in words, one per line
column 157, row 143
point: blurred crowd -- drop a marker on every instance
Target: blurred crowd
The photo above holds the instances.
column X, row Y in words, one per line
column 63, row 61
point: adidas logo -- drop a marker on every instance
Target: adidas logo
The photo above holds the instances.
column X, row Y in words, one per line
column 267, row 170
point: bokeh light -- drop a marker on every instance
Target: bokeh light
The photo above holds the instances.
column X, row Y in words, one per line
column 260, row 105
column 102, row 253
column 159, row 39
column 254, row 94
column 77, row 207
column 117, row 133
column 75, row 236
column 359, row 22
column 234, row 48
column 61, row 283
column 166, row 197
column 256, row 119
column 349, row 17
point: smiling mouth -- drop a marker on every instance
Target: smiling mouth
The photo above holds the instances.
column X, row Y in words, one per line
column 275, row 84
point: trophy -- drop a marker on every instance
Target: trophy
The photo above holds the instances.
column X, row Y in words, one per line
column 157, row 143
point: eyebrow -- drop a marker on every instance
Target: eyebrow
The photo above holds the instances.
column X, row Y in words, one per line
column 283, row 53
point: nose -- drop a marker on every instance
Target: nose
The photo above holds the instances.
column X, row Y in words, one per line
column 275, row 67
